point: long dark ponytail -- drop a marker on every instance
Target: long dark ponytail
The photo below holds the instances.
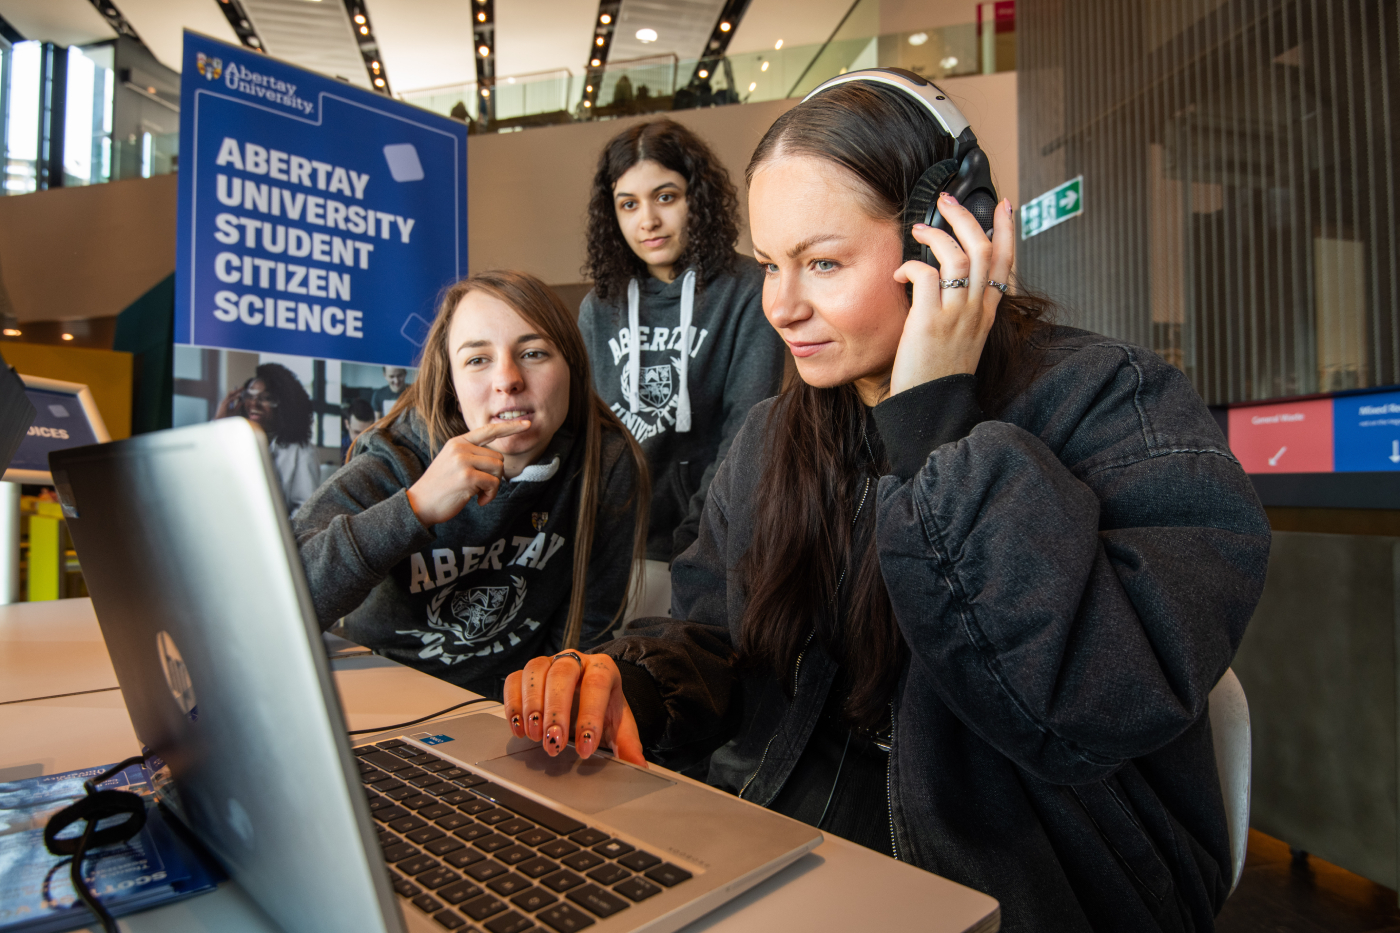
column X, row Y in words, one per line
column 818, row 451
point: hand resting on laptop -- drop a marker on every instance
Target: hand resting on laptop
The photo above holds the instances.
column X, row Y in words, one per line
column 582, row 692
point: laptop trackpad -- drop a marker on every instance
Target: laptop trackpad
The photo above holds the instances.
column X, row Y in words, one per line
column 588, row 786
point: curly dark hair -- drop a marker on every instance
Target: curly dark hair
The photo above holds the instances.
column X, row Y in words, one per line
column 713, row 206
column 293, row 422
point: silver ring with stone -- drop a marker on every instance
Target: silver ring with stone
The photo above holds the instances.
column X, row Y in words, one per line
column 568, row 654
column 999, row 286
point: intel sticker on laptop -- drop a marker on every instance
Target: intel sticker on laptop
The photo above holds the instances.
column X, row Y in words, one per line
column 433, row 739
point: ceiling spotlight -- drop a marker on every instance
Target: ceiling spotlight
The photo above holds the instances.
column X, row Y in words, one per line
column 588, row 103
column 364, row 30
column 949, row 63
column 725, row 27
column 605, row 19
column 704, row 73
column 67, row 336
column 12, row 332
column 486, row 92
column 588, row 88
column 763, row 67
column 777, row 45
column 752, row 85
column 918, row 38
column 253, row 41
column 481, row 17
column 598, row 40
column 374, row 65
column 378, row 82
column 647, row 35
column 483, row 50
column 595, row 63
column 359, row 18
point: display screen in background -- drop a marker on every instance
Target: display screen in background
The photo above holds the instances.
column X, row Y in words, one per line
column 1349, row 434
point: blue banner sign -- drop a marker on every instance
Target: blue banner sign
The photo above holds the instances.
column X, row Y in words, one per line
column 315, row 218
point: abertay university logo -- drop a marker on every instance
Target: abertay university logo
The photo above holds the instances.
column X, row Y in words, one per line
column 211, row 68
column 252, row 83
column 478, row 618
column 655, row 390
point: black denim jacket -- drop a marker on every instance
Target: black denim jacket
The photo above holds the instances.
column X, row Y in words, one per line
column 1071, row 579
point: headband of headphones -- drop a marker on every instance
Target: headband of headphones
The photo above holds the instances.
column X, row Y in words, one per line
column 967, row 176
column 925, row 92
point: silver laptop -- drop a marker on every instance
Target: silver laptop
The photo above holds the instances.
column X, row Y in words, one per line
column 455, row 825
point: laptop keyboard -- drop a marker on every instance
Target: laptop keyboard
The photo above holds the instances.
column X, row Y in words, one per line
column 477, row 856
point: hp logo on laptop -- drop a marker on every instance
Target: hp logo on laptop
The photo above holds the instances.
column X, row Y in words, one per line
column 177, row 676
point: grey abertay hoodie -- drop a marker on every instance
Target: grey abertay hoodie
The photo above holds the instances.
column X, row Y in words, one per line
column 472, row 598
column 687, row 407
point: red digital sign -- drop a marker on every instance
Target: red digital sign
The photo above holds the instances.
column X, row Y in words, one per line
column 1294, row 437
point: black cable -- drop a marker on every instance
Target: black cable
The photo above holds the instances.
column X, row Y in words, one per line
column 92, row 809
column 837, row 781
column 414, row 722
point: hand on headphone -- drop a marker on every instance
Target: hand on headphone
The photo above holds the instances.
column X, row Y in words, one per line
column 947, row 327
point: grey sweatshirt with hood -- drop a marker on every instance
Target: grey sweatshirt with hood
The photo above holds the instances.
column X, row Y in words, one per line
column 687, row 407
column 472, row 598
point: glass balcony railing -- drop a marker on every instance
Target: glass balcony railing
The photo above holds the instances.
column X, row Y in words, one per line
column 666, row 83
column 93, row 153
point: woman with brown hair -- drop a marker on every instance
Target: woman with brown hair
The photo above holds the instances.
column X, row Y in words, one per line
column 961, row 592
column 495, row 512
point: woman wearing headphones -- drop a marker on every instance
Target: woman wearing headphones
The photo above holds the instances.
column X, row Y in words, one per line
column 661, row 236
column 275, row 400
column 961, row 592
column 495, row 512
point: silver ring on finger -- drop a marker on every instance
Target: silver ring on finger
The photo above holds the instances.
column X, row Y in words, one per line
column 568, row 654
column 953, row 283
column 999, row 286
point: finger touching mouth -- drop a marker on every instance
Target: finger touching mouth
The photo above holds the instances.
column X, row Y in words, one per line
column 514, row 414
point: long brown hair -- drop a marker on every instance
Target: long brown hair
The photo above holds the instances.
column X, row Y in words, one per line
column 818, row 444
column 712, row 206
column 434, row 399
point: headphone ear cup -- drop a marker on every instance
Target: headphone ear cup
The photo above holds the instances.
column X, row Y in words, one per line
column 982, row 204
column 926, row 190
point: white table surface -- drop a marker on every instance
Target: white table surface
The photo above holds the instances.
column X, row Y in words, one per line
column 53, row 648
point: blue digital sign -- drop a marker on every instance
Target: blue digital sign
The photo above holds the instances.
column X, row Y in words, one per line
column 59, row 422
column 315, row 218
column 1366, row 433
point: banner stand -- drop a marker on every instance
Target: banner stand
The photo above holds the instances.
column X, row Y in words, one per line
column 9, row 542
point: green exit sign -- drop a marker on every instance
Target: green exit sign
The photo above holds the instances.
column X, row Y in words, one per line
column 1054, row 206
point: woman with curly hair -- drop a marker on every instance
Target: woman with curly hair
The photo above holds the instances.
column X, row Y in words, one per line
column 674, row 323
column 275, row 401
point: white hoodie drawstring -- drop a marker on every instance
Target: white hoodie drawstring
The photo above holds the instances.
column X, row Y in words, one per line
column 687, row 311
column 634, row 357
